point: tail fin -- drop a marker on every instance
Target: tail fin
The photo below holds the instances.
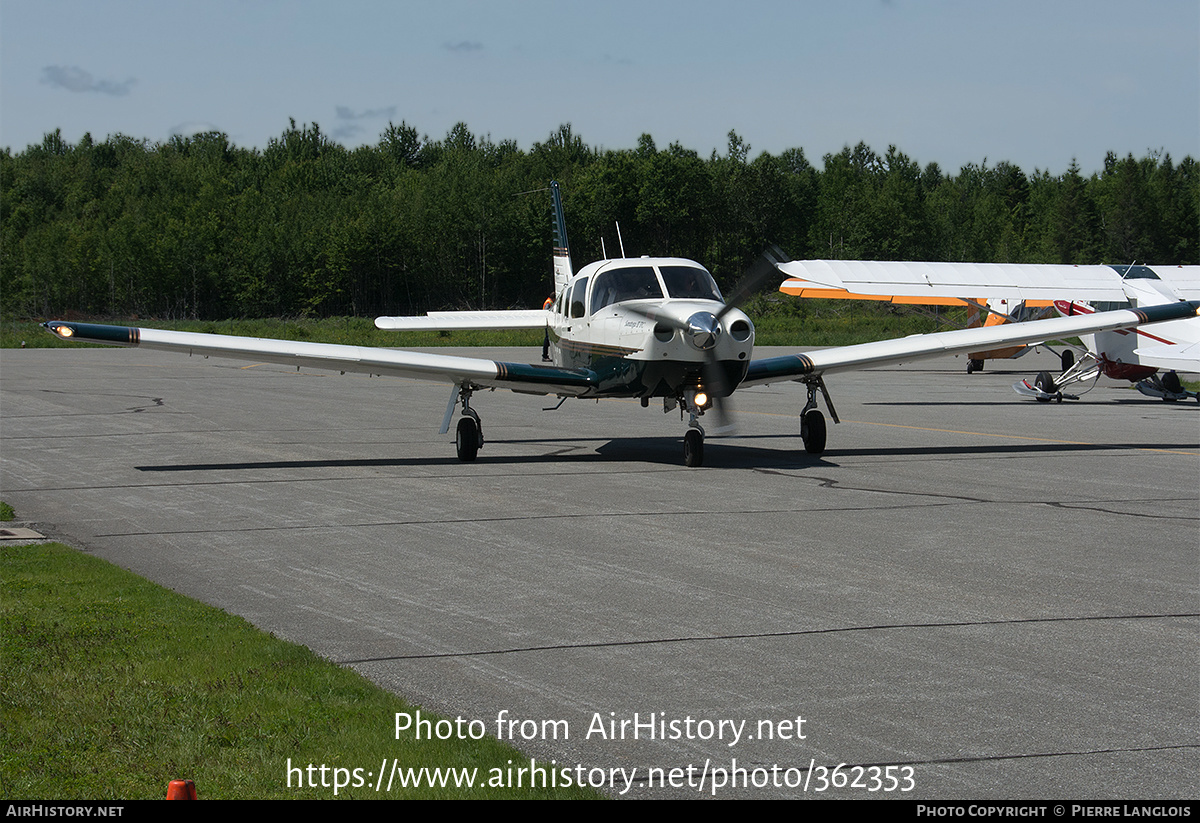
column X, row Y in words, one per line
column 562, row 251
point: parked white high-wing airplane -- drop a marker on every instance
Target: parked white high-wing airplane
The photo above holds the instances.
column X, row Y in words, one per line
column 1122, row 354
column 649, row 327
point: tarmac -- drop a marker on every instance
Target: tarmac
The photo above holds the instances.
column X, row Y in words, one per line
column 970, row 595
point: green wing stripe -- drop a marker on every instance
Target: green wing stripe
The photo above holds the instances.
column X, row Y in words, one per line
column 787, row 366
column 545, row 375
column 95, row 333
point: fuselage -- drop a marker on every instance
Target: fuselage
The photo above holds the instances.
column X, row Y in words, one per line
column 1116, row 351
column 650, row 327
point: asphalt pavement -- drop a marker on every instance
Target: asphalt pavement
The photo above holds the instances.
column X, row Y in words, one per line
column 969, row 595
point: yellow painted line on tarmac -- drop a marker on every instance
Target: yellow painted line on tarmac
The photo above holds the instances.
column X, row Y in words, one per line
column 1016, row 437
column 1005, row 436
column 981, row 434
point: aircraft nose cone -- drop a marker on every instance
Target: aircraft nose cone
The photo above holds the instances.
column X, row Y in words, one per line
column 703, row 330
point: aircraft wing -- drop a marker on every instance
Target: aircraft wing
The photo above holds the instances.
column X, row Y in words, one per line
column 1184, row 358
column 921, row 346
column 471, row 371
column 1185, row 280
column 912, row 282
column 464, row 320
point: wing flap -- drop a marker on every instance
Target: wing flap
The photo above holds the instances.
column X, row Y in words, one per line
column 467, row 320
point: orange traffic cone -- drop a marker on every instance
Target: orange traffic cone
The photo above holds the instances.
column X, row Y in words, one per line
column 181, row 790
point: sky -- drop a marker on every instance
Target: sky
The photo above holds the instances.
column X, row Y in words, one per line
column 1037, row 83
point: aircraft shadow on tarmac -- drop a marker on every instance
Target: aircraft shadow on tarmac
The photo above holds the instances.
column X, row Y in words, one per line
column 731, row 453
column 1017, row 401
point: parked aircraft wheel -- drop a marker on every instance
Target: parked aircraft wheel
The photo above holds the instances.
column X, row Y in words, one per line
column 974, row 366
column 1045, row 382
column 1068, row 359
column 812, row 431
column 466, row 439
column 1170, row 382
column 693, row 448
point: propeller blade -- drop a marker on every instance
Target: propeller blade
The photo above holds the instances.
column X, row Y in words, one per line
column 721, row 409
column 762, row 269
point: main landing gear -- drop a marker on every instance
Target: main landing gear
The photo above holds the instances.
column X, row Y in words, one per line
column 468, row 436
column 1046, row 387
column 812, row 422
column 1167, row 387
column 1045, row 384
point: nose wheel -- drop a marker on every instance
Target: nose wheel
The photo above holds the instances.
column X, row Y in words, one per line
column 693, row 448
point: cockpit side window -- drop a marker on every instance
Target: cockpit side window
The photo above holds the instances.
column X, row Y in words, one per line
column 690, row 282
column 578, row 294
column 626, row 283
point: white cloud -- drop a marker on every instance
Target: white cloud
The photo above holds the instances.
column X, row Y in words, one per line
column 73, row 78
column 346, row 113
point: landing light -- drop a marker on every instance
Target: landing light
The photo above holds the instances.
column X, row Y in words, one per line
column 701, row 399
column 64, row 331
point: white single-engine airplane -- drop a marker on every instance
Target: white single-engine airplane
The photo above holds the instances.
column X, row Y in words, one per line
column 1121, row 354
column 649, row 327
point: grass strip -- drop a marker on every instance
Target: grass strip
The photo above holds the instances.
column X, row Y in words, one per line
column 112, row 686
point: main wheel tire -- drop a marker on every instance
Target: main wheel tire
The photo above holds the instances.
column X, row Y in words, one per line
column 974, row 366
column 1068, row 359
column 693, row 448
column 466, row 439
column 1170, row 382
column 1045, row 382
column 812, row 431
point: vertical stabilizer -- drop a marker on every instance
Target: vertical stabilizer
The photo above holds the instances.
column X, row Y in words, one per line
column 562, row 251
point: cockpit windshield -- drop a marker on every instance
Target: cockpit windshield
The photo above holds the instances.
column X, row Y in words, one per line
column 690, row 282
column 625, row 283
column 1135, row 272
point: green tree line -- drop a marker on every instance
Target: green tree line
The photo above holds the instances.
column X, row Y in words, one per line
column 197, row 227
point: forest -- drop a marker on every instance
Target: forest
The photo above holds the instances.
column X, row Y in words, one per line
column 197, row 227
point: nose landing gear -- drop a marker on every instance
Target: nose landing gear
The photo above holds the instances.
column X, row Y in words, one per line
column 693, row 448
